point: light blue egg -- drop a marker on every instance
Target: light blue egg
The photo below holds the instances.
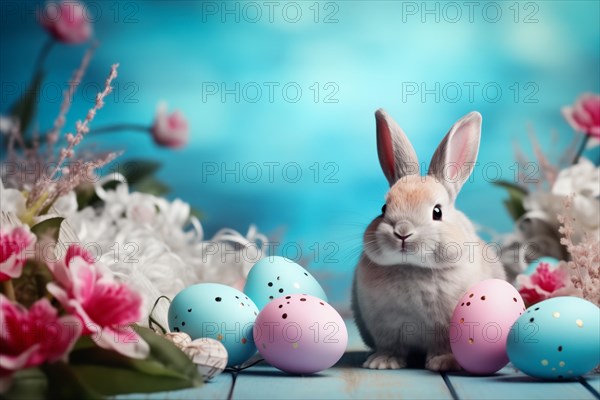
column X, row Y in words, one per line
column 219, row 312
column 273, row 277
column 553, row 262
column 558, row 338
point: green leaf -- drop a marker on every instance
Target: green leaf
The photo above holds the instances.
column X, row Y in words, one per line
column 514, row 208
column 196, row 213
column 84, row 342
column 111, row 381
column 99, row 356
column 26, row 107
column 86, row 195
column 28, row 383
column 49, row 227
column 137, row 170
column 152, row 186
column 166, row 368
column 168, row 354
column 514, row 204
column 512, row 187
column 65, row 383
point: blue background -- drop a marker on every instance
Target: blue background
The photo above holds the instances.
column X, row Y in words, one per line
column 368, row 53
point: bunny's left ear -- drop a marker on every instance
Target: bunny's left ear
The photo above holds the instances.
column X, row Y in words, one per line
column 454, row 159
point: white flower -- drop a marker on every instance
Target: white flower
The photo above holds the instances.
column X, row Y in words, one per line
column 158, row 248
column 7, row 124
column 581, row 180
column 11, row 200
column 66, row 204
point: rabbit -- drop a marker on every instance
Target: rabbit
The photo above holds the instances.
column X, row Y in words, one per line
column 421, row 254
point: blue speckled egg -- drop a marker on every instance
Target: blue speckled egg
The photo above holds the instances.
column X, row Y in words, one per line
column 274, row 276
column 558, row 338
column 212, row 310
column 553, row 262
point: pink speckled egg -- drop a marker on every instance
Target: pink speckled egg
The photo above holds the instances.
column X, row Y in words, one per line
column 300, row 334
column 480, row 325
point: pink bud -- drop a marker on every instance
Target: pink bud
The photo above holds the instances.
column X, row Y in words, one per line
column 584, row 116
column 170, row 130
column 66, row 21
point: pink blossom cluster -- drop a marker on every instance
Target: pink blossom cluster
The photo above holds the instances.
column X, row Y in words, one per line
column 66, row 21
column 15, row 247
column 89, row 303
column 584, row 116
column 546, row 282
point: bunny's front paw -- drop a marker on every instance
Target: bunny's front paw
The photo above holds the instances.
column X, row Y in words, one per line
column 381, row 360
column 443, row 362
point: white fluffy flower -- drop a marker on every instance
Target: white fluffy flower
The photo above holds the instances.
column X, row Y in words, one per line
column 581, row 180
column 7, row 124
column 11, row 200
column 158, row 248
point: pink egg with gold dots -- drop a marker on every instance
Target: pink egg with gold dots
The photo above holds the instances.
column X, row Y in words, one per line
column 300, row 334
column 481, row 323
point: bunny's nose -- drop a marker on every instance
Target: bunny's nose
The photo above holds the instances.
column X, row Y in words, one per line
column 402, row 237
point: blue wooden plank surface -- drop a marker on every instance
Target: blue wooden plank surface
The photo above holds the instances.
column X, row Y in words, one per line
column 594, row 383
column 348, row 380
column 216, row 389
column 510, row 384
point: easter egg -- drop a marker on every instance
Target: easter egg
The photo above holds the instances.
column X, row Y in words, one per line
column 179, row 339
column 220, row 312
column 558, row 338
column 532, row 266
column 275, row 276
column 481, row 323
column 300, row 334
column 209, row 356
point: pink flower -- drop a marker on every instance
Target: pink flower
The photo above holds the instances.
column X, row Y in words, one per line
column 15, row 247
column 32, row 337
column 67, row 21
column 169, row 130
column 104, row 307
column 545, row 283
column 584, row 116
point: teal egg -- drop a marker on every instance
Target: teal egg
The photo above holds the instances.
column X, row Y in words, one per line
column 558, row 338
column 553, row 262
column 220, row 312
column 273, row 277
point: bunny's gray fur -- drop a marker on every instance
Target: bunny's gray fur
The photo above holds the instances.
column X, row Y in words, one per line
column 402, row 296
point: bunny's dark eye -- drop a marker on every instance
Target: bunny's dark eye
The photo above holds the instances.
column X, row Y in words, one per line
column 437, row 213
column 383, row 209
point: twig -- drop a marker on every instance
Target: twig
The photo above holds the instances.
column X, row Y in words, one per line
column 121, row 127
column 581, row 149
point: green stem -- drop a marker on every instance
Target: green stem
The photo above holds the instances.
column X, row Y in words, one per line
column 121, row 127
column 42, row 55
column 581, row 149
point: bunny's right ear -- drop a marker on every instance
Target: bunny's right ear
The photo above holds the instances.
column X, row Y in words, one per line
column 396, row 155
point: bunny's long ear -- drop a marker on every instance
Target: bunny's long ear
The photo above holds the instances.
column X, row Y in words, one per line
column 396, row 155
column 454, row 159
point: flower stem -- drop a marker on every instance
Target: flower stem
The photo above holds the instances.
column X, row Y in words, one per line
column 581, row 149
column 42, row 55
column 121, row 127
column 9, row 290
